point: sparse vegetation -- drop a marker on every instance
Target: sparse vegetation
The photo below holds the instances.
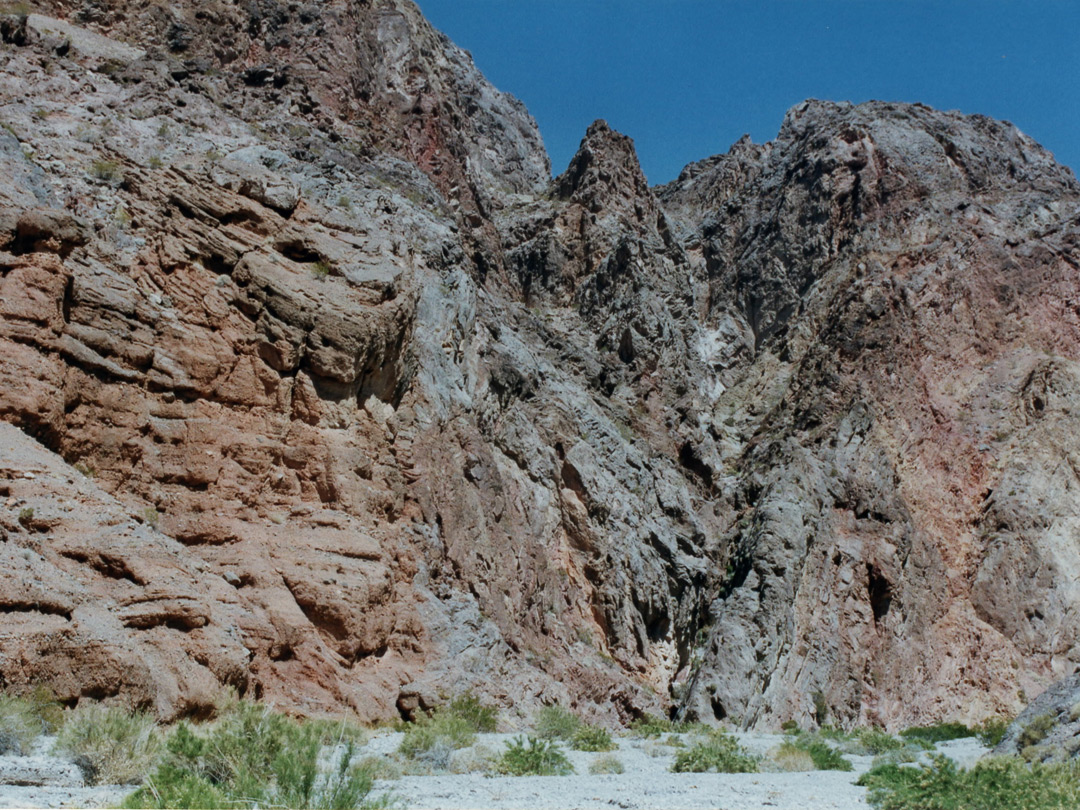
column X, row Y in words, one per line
column 25, row 718
column 26, row 516
column 434, row 737
column 111, row 745
column 652, row 726
column 991, row 730
column 533, row 757
column 607, row 764
column 1034, row 733
column 941, row 732
column 825, row 757
column 998, row 783
column 876, row 741
column 592, row 738
column 790, row 757
column 556, row 723
column 718, row 752
column 17, row 9
column 150, row 516
column 468, row 707
column 105, row 170
column 255, row 757
column 320, row 270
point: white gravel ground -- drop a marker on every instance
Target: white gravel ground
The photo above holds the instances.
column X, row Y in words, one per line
column 646, row 783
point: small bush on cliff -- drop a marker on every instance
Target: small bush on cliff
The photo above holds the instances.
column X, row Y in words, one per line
column 718, row 752
column 254, row 757
column 111, row 745
column 992, row 730
column 468, row 707
column 537, row 758
column 1035, row 731
column 105, row 170
column 997, row 783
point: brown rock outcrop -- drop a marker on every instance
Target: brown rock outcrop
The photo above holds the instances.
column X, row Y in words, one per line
column 362, row 410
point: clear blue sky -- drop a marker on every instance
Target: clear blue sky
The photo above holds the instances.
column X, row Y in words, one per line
column 686, row 78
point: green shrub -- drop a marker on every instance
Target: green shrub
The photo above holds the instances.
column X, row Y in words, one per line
column 876, row 741
column 652, row 726
column 434, row 736
column 718, row 752
column 556, row 723
column 483, row 719
column 26, row 516
column 538, row 758
column 111, row 745
column 997, row 783
column 608, row 763
column 1035, row 731
column 19, row 727
column 942, row 732
column 592, row 738
column 25, row 718
column 992, row 730
column 320, row 269
column 254, row 757
column 825, row 757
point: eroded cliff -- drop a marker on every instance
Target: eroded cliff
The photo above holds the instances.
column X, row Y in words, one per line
column 326, row 392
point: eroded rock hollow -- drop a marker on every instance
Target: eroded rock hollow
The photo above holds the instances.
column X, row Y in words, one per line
column 315, row 384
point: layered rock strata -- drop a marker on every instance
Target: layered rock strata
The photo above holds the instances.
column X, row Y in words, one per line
column 316, row 386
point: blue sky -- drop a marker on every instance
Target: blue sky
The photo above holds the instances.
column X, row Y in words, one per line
column 686, row 78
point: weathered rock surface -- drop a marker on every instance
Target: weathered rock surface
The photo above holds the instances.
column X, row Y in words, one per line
column 326, row 392
column 1048, row 729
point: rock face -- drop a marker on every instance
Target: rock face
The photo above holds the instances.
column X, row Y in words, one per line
column 315, row 385
column 1049, row 728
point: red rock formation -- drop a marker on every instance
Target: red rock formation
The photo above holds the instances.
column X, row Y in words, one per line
column 327, row 395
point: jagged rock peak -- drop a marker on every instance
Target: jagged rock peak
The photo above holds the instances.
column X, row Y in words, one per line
column 947, row 147
column 604, row 171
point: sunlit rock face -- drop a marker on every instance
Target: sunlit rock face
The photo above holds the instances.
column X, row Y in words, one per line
column 316, row 385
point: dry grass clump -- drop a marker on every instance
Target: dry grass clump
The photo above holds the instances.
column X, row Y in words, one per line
column 789, row 757
column 111, row 745
column 606, row 764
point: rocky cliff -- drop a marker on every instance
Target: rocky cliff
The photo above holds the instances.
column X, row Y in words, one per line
column 316, row 385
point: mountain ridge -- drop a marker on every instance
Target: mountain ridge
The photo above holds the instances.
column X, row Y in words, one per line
column 365, row 409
